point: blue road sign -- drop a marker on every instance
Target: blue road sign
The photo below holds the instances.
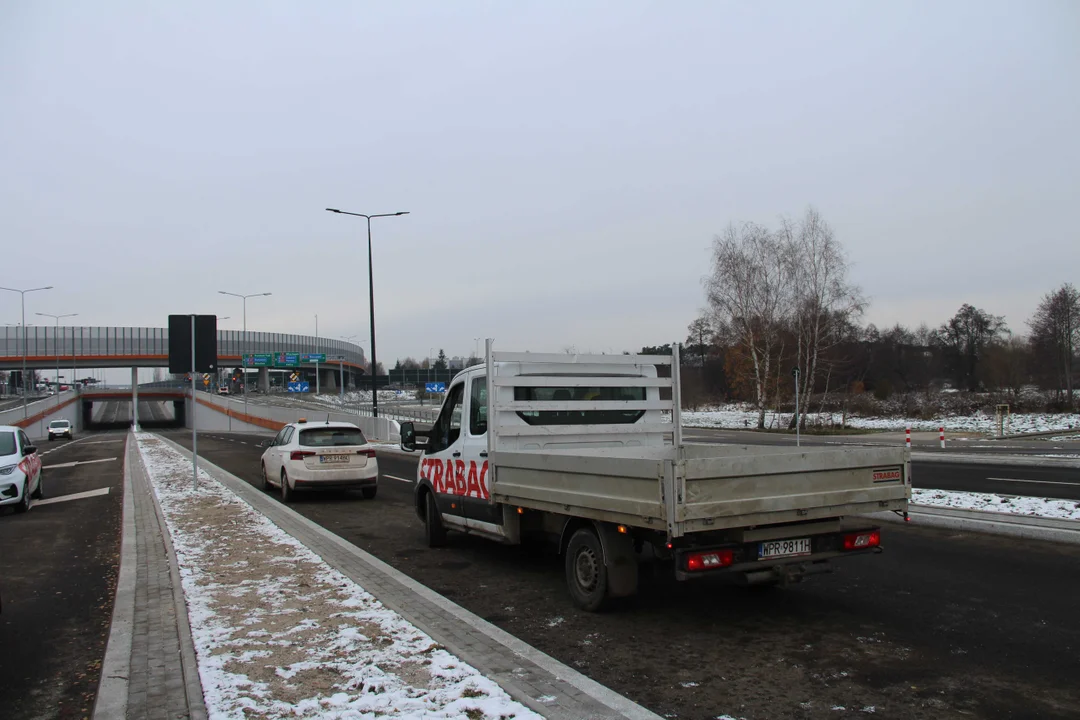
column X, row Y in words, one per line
column 299, row 387
column 436, row 387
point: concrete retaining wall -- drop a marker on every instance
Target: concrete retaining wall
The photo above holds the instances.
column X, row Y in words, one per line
column 215, row 411
column 65, row 406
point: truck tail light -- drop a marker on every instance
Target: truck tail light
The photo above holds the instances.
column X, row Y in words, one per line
column 863, row 540
column 300, row 454
column 709, row 560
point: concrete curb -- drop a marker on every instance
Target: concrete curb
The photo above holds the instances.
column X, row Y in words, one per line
column 971, row 459
column 1022, row 526
column 112, row 694
column 620, row 706
column 188, row 661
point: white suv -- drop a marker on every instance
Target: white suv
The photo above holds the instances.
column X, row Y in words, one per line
column 310, row 456
column 60, row 428
column 20, row 469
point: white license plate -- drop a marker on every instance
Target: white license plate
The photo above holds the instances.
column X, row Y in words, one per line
column 783, row 548
column 327, row 459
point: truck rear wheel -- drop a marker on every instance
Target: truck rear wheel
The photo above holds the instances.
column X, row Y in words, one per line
column 586, row 574
column 434, row 532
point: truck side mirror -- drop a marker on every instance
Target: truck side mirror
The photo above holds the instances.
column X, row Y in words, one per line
column 408, row 436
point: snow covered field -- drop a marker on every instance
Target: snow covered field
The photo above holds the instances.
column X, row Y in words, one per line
column 743, row 416
column 280, row 634
column 1016, row 505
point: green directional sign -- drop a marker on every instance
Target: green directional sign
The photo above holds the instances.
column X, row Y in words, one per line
column 313, row 357
column 286, row 359
column 259, row 360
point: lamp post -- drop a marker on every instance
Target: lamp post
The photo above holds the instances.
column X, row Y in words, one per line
column 23, row 376
column 243, row 355
column 56, row 341
column 371, row 301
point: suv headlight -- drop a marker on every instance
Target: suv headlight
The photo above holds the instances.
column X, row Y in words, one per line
column 7, row 469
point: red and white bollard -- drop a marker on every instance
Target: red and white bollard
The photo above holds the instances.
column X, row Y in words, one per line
column 942, row 436
column 907, row 437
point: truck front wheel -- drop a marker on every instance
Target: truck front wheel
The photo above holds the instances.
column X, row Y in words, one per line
column 434, row 532
column 586, row 574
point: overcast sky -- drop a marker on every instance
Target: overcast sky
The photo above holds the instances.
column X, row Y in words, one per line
column 566, row 164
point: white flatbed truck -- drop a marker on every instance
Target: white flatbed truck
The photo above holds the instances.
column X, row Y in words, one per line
column 587, row 451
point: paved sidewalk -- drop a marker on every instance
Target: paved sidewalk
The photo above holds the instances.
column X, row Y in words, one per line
column 529, row 676
column 149, row 669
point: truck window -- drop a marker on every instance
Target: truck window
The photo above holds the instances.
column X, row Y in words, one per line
column 478, row 407
column 447, row 428
column 580, row 417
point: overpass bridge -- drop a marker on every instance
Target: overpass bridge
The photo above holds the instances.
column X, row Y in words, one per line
column 135, row 347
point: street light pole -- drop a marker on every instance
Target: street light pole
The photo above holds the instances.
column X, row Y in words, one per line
column 23, row 294
column 243, row 355
column 371, row 302
column 56, row 341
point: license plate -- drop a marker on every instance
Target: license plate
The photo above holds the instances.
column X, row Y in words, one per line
column 327, row 459
column 783, row 548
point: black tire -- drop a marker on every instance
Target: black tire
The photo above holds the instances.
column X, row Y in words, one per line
column 286, row 491
column 434, row 532
column 586, row 574
column 264, row 482
column 369, row 493
column 39, row 494
column 24, row 504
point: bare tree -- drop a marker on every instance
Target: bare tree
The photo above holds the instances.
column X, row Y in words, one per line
column 965, row 338
column 825, row 302
column 1055, row 335
column 750, row 290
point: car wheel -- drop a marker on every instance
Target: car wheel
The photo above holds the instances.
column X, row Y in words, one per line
column 369, row 493
column 24, row 504
column 39, row 494
column 434, row 532
column 286, row 491
column 586, row 574
column 264, row 483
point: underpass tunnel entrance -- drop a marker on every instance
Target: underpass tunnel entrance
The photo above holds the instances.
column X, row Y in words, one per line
column 114, row 414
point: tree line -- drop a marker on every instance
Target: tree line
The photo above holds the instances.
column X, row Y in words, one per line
column 781, row 310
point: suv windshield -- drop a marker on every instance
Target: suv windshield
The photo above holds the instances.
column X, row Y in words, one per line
column 331, row 437
column 7, row 443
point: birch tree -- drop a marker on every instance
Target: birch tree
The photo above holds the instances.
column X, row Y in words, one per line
column 1055, row 335
column 825, row 302
column 749, row 289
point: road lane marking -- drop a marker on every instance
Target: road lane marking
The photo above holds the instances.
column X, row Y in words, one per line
column 395, row 477
column 1034, row 482
column 73, row 496
column 101, row 442
column 77, row 462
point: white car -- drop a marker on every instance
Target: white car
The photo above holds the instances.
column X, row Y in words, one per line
column 20, row 469
column 315, row 456
column 61, row 428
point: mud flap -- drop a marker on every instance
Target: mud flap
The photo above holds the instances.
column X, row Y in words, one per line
column 620, row 559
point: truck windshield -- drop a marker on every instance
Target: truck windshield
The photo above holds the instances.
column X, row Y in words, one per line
column 579, row 417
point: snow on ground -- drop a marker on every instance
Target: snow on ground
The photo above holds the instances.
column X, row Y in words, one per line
column 743, row 416
column 1013, row 504
column 280, row 634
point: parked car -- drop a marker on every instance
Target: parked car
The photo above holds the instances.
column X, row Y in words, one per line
column 319, row 456
column 20, row 469
column 61, row 428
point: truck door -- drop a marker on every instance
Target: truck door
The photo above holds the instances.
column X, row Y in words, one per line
column 480, row 512
column 443, row 465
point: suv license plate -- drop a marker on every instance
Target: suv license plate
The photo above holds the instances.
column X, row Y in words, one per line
column 333, row 458
column 783, row 548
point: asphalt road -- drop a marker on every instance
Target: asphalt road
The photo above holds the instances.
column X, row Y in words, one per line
column 58, row 566
column 942, row 625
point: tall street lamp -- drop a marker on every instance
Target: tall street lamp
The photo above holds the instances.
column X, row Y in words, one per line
column 371, row 301
column 56, row 341
column 23, row 294
column 244, row 344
